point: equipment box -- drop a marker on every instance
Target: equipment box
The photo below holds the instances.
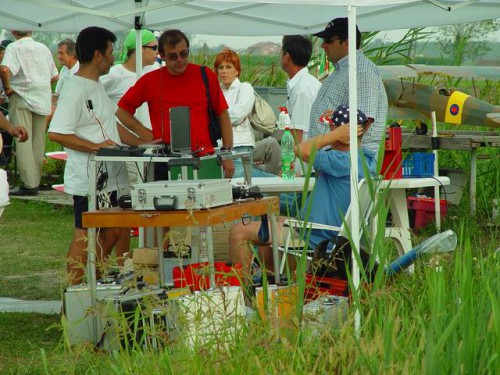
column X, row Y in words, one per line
column 181, row 195
column 77, row 310
column 138, row 319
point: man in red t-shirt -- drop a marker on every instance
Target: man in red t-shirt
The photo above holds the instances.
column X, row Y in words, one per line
column 179, row 83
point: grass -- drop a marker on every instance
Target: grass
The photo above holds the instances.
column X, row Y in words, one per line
column 437, row 320
column 34, row 238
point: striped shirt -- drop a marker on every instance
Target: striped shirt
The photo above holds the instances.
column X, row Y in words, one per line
column 372, row 99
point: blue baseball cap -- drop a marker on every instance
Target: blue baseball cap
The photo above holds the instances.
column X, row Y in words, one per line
column 341, row 116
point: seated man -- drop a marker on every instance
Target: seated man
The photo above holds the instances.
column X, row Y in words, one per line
column 331, row 198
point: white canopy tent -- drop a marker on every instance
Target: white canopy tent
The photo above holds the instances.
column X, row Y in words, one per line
column 237, row 17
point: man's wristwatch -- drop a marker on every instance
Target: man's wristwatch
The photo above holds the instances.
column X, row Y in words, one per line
column 224, row 148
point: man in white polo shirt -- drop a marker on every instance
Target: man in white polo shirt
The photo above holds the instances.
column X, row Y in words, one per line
column 302, row 87
column 27, row 72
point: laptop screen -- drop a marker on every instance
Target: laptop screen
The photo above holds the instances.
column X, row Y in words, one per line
column 180, row 130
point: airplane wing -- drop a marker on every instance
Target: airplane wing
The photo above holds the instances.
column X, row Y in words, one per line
column 415, row 70
column 398, row 113
column 397, row 71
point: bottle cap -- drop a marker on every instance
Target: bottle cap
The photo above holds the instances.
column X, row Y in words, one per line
column 287, row 127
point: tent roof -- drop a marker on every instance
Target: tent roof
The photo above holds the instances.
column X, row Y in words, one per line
column 239, row 18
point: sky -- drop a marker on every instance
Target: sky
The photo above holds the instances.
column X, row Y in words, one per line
column 240, row 42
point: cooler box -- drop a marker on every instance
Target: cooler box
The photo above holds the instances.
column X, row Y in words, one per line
column 393, row 155
column 424, row 211
column 196, row 276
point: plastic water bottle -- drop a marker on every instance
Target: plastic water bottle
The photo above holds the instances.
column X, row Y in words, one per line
column 202, row 245
column 287, row 155
column 283, row 118
column 439, row 243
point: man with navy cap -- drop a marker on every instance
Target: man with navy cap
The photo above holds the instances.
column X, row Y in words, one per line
column 335, row 89
column 331, row 198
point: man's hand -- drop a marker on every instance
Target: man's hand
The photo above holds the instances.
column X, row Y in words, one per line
column 106, row 143
column 228, row 166
column 328, row 113
column 19, row 132
column 343, row 135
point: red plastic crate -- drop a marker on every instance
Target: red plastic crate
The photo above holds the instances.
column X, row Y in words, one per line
column 317, row 286
column 196, row 276
column 425, row 212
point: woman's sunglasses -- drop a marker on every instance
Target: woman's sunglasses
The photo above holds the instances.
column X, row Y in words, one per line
column 154, row 48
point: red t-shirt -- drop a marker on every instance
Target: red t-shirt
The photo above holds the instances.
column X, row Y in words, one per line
column 162, row 91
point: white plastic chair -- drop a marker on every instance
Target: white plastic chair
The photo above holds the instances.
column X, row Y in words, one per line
column 368, row 193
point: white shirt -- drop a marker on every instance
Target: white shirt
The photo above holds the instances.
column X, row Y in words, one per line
column 73, row 117
column 118, row 81
column 302, row 90
column 64, row 74
column 31, row 68
column 240, row 98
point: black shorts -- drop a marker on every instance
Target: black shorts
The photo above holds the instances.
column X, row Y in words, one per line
column 81, row 205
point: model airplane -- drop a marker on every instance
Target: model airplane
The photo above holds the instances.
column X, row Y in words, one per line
column 412, row 100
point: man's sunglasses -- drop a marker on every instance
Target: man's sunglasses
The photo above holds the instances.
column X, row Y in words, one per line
column 154, row 48
column 174, row 56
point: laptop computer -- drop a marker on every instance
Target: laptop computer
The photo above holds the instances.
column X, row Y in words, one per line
column 180, row 130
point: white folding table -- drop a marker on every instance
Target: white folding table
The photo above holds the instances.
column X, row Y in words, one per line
column 395, row 198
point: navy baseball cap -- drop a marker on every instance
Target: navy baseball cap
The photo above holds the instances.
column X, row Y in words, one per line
column 341, row 116
column 337, row 27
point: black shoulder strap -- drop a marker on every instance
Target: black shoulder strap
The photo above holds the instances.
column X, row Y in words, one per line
column 205, row 81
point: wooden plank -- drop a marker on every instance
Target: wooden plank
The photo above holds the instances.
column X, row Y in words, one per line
column 454, row 142
column 179, row 218
column 459, row 132
column 445, row 143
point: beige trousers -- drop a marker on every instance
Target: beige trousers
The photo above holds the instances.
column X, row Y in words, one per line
column 29, row 154
column 267, row 155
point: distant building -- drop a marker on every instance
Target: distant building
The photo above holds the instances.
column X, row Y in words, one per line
column 264, row 48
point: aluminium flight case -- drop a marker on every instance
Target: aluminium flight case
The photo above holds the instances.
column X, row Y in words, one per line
column 181, row 194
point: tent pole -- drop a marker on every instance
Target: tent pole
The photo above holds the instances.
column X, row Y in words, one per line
column 353, row 107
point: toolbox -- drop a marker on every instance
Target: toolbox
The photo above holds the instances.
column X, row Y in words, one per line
column 78, row 313
column 181, row 194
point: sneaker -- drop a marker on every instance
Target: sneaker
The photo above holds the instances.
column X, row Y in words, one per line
column 22, row 191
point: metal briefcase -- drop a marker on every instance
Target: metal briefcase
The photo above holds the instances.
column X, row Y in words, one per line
column 181, row 194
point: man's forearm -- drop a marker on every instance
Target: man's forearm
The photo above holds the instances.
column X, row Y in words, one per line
column 304, row 149
column 5, row 77
column 127, row 137
column 130, row 122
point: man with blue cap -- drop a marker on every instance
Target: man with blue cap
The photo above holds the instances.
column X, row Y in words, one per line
column 335, row 89
column 331, row 198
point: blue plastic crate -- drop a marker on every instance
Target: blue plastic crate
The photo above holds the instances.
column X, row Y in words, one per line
column 419, row 164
